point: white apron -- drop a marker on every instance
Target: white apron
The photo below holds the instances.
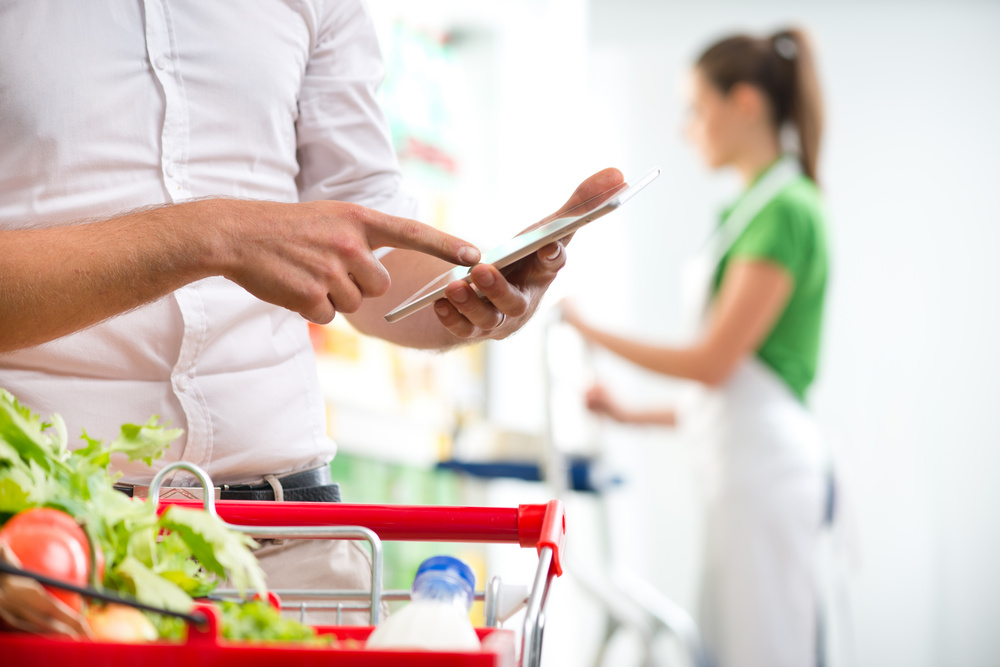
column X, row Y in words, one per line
column 763, row 467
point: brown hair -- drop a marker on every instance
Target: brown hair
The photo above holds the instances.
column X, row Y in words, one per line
column 782, row 67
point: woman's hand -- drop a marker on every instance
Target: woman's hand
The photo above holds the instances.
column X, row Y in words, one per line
column 571, row 316
column 600, row 402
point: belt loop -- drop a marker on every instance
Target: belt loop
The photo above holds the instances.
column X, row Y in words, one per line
column 279, row 496
column 279, row 492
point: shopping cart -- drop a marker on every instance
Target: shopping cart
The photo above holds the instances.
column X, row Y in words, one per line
column 541, row 527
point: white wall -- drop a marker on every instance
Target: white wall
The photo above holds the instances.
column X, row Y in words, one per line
column 911, row 368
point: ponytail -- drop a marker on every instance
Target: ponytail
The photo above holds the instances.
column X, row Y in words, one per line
column 783, row 68
column 806, row 104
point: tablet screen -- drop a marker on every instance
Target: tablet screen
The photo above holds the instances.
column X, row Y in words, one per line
column 530, row 240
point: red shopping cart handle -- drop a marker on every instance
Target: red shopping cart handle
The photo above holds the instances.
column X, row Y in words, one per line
column 550, row 520
column 535, row 526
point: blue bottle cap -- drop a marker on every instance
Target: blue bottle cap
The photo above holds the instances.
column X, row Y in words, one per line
column 451, row 565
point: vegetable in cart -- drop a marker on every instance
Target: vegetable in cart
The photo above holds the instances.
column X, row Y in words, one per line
column 63, row 518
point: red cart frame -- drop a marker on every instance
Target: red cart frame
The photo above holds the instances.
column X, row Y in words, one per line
column 542, row 527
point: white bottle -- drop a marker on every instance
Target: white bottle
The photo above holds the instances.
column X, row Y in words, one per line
column 438, row 615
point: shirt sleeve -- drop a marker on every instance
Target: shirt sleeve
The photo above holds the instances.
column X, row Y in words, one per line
column 779, row 233
column 345, row 151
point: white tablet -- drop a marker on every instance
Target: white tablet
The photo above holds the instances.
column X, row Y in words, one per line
column 527, row 242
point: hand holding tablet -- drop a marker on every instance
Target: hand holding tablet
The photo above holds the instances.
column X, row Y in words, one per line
column 527, row 242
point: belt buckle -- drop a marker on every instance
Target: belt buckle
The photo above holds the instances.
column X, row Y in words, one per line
column 176, row 492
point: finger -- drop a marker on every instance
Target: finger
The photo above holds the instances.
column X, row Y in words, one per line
column 343, row 292
column 454, row 321
column 394, row 232
column 552, row 257
column 540, row 269
column 318, row 310
column 593, row 186
column 369, row 275
column 595, row 190
column 480, row 312
column 504, row 296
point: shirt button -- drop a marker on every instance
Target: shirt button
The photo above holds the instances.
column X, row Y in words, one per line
column 182, row 383
column 161, row 62
column 169, row 170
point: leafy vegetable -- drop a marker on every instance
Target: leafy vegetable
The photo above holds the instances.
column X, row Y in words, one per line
column 253, row 620
column 258, row 620
column 217, row 548
column 152, row 589
column 162, row 560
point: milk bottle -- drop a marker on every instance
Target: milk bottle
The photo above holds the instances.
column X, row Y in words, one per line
column 438, row 615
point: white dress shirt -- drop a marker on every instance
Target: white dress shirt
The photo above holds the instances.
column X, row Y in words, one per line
column 112, row 105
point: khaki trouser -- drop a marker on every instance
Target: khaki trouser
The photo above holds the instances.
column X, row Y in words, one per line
column 318, row 565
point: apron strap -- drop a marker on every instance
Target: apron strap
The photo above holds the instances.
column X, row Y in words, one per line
column 698, row 272
column 760, row 194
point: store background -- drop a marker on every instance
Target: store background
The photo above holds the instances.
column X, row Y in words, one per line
column 499, row 109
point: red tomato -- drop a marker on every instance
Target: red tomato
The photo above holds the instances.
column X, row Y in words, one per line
column 50, row 542
column 58, row 519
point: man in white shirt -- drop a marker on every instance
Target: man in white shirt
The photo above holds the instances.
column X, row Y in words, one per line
column 182, row 185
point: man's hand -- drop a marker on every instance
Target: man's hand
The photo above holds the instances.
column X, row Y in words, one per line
column 316, row 258
column 510, row 297
column 312, row 258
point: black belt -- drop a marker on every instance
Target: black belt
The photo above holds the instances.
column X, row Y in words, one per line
column 308, row 486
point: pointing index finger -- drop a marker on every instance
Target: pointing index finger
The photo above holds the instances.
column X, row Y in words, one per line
column 394, row 232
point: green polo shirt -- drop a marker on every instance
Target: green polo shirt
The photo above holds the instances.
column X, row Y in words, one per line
column 790, row 231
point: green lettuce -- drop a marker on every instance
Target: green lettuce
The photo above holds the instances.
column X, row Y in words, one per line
column 162, row 560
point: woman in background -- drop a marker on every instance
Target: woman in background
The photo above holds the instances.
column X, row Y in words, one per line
column 762, row 288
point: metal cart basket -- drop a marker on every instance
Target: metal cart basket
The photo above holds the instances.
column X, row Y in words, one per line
column 541, row 527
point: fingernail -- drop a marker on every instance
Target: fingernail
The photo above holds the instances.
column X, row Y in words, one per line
column 552, row 254
column 469, row 254
column 441, row 309
column 486, row 278
column 460, row 295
